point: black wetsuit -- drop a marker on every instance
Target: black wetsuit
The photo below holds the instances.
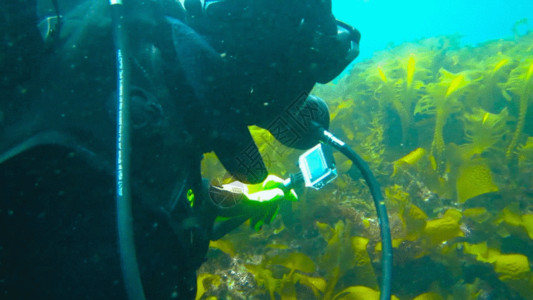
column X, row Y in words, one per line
column 58, row 215
column 58, row 236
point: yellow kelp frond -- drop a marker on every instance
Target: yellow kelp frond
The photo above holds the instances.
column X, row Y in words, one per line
column 520, row 77
column 521, row 85
column 317, row 284
column 443, row 229
column 398, row 82
column 475, row 178
column 527, row 223
column 363, row 264
column 264, row 278
column 415, row 220
column 274, row 154
column 382, row 74
column 383, row 70
column 224, row 246
column 413, row 217
column 343, row 106
column 395, row 244
column 500, row 65
column 491, row 93
column 359, row 293
column 482, row 252
column 408, row 88
column 425, row 106
column 325, row 230
column 511, row 215
column 477, row 214
column 397, row 195
column 212, row 168
column 442, row 99
column 512, row 266
column 484, row 129
column 411, row 63
column 457, row 83
column 515, row 272
column 525, row 153
column 496, row 68
column 410, row 159
column 294, row 261
column 372, row 143
column 287, row 289
column 383, row 87
column 277, row 246
column 428, row 296
column 343, row 164
column 411, row 77
column 449, row 84
column 339, row 257
column 205, row 282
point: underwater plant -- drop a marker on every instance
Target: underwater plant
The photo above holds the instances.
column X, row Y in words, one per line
column 372, row 144
column 206, row 281
column 411, row 159
column 483, row 130
column 402, row 91
column 344, row 253
column 491, row 91
column 442, row 99
column 525, row 154
column 474, row 179
column 461, row 215
column 520, row 83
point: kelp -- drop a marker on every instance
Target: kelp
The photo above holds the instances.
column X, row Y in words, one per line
column 483, row 131
column 447, row 131
column 474, row 179
column 401, row 90
column 442, row 99
column 520, row 83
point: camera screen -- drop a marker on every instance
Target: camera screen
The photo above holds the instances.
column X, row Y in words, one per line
column 317, row 165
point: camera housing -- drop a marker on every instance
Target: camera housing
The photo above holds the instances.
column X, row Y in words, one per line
column 317, row 166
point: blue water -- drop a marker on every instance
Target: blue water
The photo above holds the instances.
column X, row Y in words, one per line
column 382, row 22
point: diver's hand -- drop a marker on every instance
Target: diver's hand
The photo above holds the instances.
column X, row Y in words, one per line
column 266, row 197
column 261, row 201
column 272, row 189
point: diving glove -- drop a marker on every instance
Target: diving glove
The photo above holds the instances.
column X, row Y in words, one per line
column 264, row 198
column 257, row 202
column 271, row 189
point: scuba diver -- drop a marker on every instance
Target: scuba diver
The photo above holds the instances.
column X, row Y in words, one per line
column 200, row 74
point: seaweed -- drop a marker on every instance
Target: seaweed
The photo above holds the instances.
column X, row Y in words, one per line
column 447, row 129
column 520, row 83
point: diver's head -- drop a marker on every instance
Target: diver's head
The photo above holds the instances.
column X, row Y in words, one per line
column 332, row 53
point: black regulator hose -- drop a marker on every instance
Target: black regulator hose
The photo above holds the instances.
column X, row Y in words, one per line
column 386, row 241
column 126, row 240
